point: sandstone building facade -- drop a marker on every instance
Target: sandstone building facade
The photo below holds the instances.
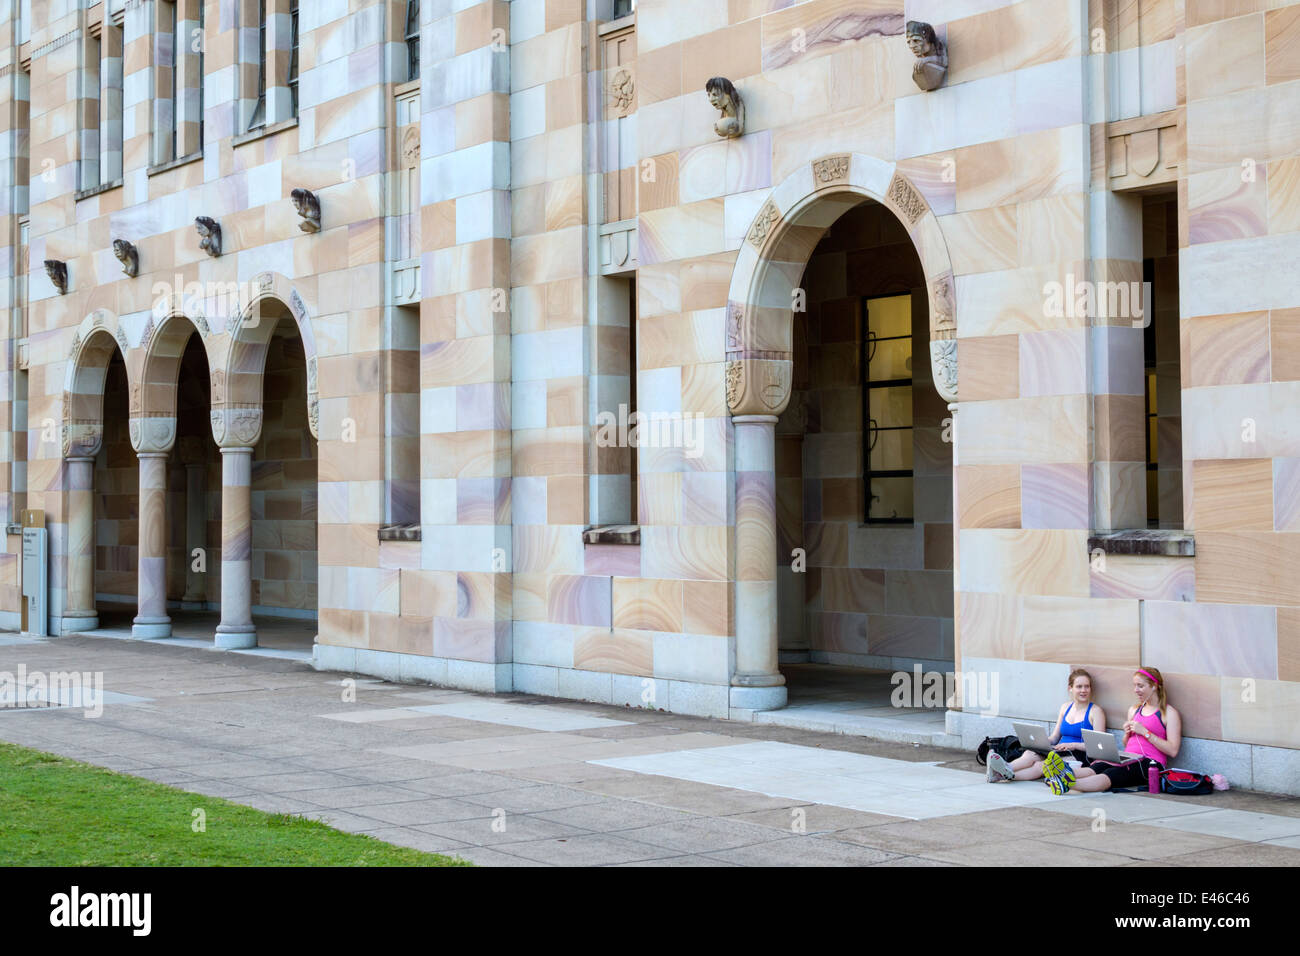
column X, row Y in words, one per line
column 975, row 349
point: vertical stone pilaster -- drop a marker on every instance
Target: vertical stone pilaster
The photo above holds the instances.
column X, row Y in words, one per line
column 152, row 619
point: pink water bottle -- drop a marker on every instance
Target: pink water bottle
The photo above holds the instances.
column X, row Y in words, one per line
column 1153, row 778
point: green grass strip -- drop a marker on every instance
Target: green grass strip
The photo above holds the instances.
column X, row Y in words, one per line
column 60, row 812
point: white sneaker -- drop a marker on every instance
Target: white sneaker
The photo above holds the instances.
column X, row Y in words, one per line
column 998, row 769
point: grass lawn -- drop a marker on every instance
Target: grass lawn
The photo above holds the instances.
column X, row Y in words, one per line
column 58, row 812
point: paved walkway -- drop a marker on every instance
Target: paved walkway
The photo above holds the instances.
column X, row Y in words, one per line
column 520, row 780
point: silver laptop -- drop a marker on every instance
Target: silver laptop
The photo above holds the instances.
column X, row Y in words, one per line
column 1033, row 737
column 1102, row 746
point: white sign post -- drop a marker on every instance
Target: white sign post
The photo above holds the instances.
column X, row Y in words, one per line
column 36, row 581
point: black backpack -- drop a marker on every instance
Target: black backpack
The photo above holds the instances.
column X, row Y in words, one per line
column 1008, row 748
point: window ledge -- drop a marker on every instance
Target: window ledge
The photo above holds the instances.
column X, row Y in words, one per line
column 613, row 534
column 1168, row 542
column 255, row 134
column 399, row 532
column 173, row 163
column 81, row 194
column 622, row 23
column 406, row 86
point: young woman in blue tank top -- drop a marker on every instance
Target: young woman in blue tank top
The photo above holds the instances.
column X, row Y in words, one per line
column 1077, row 714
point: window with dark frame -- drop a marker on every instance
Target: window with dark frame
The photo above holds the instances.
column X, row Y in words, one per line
column 1151, row 406
column 885, row 372
column 259, row 111
column 412, row 39
column 293, row 57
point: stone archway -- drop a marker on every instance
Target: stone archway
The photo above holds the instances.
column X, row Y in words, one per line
column 237, row 416
column 97, row 339
column 153, row 425
column 759, row 352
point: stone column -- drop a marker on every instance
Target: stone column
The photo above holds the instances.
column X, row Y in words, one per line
column 791, row 584
column 151, row 562
column 757, row 683
column 236, row 431
column 195, row 523
column 79, row 610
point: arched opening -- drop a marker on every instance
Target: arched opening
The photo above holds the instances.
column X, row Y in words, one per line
column 863, row 480
column 116, row 495
column 283, row 493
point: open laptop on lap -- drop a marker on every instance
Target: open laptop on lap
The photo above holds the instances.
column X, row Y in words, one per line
column 1102, row 746
column 1033, row 737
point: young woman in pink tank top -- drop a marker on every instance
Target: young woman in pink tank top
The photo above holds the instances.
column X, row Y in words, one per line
column 1153, row 731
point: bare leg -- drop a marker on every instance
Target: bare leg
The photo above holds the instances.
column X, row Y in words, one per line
column 1032, row 772
column 1025, row 761
column 1092, row 783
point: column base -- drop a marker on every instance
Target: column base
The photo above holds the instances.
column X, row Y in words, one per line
column 236, row 638
column 72, row 623
column 151, row 627
column 758, row 698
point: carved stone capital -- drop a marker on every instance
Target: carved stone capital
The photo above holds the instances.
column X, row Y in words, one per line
column 236, row 427
column 82, row 438
column 758, row 386
column 152, row 435
column 943, row 364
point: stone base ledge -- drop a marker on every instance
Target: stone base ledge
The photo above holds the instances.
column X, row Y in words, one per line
column 1247, row 766
column 1178, row 544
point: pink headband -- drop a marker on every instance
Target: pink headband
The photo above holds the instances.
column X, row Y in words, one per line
column 1148, row 676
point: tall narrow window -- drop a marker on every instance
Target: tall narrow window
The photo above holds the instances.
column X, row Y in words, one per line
column 293, row 57
column 412, row 39
column 91, row 107
column 259, row 111
column 1161, row 354
column 110, row 104
column 886, row 370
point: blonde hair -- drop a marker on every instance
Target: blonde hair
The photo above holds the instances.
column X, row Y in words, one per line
column 1153, row 676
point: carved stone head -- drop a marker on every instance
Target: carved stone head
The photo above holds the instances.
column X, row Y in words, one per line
column 931, row 64
column 209, row 235
column 725, row 98
column 308, row 207
column 921, row 38
column 57, row 270
column 127, row 255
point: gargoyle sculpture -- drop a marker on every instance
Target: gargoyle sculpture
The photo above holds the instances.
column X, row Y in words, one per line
column 308, row 206
column 209, row 235
column 724, row 97
column 57, row 270
column 128, row 255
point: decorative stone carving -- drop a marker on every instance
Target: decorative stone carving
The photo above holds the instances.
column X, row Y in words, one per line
column 758, row 386
column 57, row 270
column 308, row 207
column 735, row 324
column 81, row 438
column 735, row 382
column 1145, row 150
column 931, row 64
column 236, row 427
column 128, row 255
column 622, row 90
column 943, row 364
column 201, row 323
column 410, row 147
column 147, row 337
column 763, row 223
column 152, row 435
column 99, row 318
column 830, row 169
column 297, row 307
column 137, row 406
column 724, row 97
column 942, row 309
column 264, row 282
column 218, row 387
column 905, row 199
column 209, row 235
column 122, row 342
column 313, row 398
